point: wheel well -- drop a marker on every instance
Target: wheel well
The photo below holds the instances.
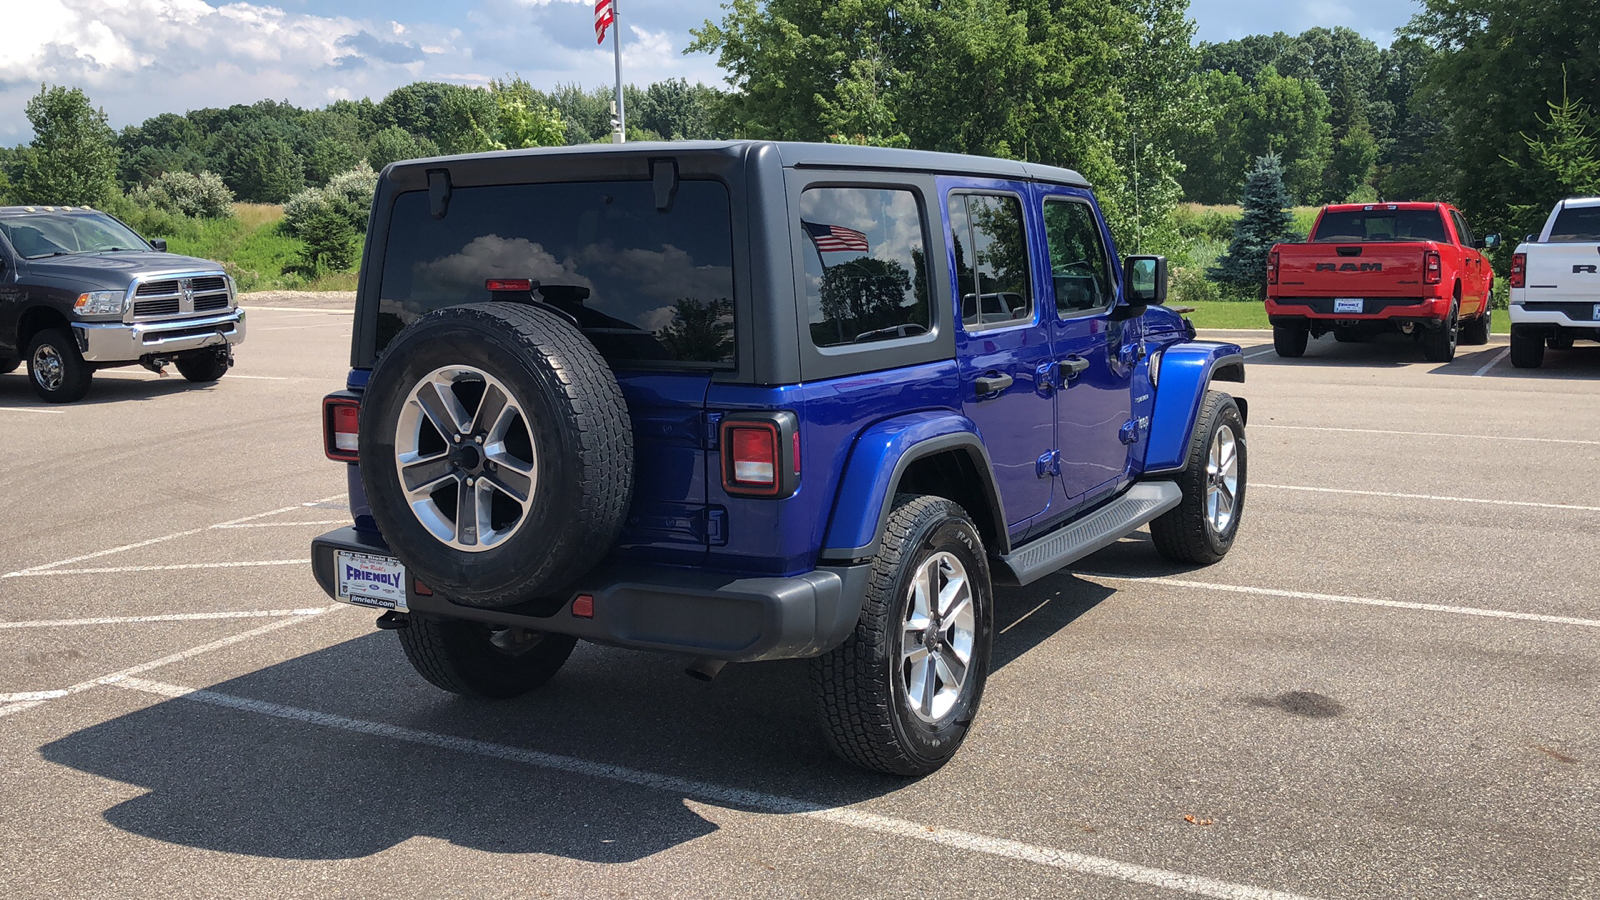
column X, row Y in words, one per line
column 34, row 321
column 953, row 475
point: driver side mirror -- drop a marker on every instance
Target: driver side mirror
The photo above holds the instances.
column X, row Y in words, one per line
column 160, row 244
column 1491, row 241
column 1144, row 280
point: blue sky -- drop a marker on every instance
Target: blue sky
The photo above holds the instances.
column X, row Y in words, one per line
column 137, row 58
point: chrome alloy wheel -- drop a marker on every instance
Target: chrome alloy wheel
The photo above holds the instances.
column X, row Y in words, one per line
column 49, row 370
column 1222, row 479
column 466, row 460
column 937, row 636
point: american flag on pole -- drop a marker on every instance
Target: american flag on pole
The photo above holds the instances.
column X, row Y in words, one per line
column 832, row 238
column 604, row 16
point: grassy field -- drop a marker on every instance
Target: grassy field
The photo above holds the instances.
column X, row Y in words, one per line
column 254, row 249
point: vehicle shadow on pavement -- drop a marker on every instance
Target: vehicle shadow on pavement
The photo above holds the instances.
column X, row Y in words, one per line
column 291, row 787
column 1579, row 363
column 15, row 390
column 1384, row 351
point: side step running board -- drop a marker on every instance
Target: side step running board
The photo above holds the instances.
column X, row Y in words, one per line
column 1101, row 528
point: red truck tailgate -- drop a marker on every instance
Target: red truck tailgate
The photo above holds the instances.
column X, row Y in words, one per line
column 1369, row 269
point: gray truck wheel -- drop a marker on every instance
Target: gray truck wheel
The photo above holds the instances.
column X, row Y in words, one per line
column 1476, row 332
column 496, row 451
column 1289, row 341
column 7, row 366
column 1201, row 528
column 55, row 369
column 205, row 366
column 899, row 695
column 1439, row 344
column 1527, row 348
column 466, row 658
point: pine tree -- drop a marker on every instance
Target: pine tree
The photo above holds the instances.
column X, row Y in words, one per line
column 1265, row 222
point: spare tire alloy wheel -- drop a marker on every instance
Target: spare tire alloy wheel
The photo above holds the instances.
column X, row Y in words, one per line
column 469, row 474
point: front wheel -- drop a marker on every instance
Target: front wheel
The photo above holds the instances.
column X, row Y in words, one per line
column 203, row 367
column 1289, row 341
column 476, row 660
column 56, row 369
column 1201, row 528
column 899, row 695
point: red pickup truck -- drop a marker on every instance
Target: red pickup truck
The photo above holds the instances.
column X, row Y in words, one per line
column 1369, row 268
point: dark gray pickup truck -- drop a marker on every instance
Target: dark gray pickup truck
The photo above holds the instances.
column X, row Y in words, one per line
column 80, row 291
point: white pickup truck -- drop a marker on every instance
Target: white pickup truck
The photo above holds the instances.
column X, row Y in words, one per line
column 1555, row 283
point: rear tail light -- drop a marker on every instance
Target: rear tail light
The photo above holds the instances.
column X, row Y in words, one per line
column 341, row 418
column 1272, row 267
column 760, row 454
column 1432, row 267
column 1519, row 270
column 499, row 285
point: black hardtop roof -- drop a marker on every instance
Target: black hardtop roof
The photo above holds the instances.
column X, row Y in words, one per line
column 797, row 154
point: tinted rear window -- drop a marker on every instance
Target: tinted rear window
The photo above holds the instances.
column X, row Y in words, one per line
column 1576, row 225
column 647, row 286
column 1359, row 226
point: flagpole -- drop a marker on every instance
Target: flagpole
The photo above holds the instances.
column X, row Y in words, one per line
column 621, row 134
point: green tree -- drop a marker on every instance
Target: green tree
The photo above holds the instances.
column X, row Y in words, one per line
column 329, row 241
column 1565, row 156
column 1277, row 115
column 72, row 159
column 393, row 144
column 1264, row 222
column 700, row 331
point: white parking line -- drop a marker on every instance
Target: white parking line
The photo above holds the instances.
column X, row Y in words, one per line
column 115, row 570
column 168, row 660
column 31, row 696
column 1260, row 353
column 739, row 798
column 262, row 377
column 1492, row 363
column 1362, row 601
column 285, row 524
column 1431, row 434
column 169, row 617
column 1324, row 490
column 299, row 309
column 44, row 412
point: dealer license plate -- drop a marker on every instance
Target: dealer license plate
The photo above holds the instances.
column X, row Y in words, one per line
column 368, row 580
column 1349, row 305
column 1596, row 312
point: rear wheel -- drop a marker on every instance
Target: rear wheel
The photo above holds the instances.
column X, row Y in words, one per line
column 55, row 368
column 1439, row 344
column 476, row 660
column 1201, row 528
column 1476, row 332
column 1527, row 348
column 202, row 367
column 899, row 695
column 1290, row 341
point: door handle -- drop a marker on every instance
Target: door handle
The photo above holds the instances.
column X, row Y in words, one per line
column 1072, row 367
column 992, row 382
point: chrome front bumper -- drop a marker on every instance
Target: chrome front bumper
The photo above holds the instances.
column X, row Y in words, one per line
column 120, row 342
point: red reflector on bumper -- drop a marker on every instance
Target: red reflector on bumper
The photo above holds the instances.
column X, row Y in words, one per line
column 583, row 606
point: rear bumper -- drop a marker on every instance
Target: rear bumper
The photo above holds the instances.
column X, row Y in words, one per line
column 1430, row 311
column 1558, row 314
column 688, row 611
column 119, row 342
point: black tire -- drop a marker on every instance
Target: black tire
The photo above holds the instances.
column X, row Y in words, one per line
column 1187, row 533
column 457, row 656
column 7, row 365
column 1439, row 344
column 1559, row 342
column 861, row 686
column 1475, row 333
column 1349, row 335
column 573, row 424
column 1527, row 348
column 55, row 368
column 203, row 367
column 1289, row 341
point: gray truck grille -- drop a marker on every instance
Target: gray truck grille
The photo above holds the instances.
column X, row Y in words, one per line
column 180, row 296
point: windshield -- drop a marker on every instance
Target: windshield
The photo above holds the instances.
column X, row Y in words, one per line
column 38, row 235
column 1379, row 225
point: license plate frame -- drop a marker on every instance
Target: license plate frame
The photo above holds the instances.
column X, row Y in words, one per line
column 384, row 586
column 1356, row 305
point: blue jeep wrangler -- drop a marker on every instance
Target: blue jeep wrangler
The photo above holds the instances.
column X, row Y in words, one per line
column 749, row 401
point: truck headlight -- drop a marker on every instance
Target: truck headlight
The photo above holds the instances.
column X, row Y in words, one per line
column 101, row 303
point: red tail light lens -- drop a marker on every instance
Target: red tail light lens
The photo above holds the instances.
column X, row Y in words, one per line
column 1272, row 267
column 1432, row 267
column 341, row 434
column 1519, row 270
column 508, row 284
column 760, row 454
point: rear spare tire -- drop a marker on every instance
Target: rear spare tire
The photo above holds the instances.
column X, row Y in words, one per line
column 496, row 452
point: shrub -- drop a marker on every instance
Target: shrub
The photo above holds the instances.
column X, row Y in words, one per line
column 1188, row 286
column 202, row 196
column 347, row 196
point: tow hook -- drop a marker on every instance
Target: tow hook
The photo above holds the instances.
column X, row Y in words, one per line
column 512, row 640
column 394, row 621
column 703, row 669
column 156, row 364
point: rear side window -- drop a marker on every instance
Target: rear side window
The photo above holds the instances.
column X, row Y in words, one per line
column 1576, row 225
column 1379, row 225
column 1079, row 270
column 866, row 266
column 647, row 286
column 991, row 248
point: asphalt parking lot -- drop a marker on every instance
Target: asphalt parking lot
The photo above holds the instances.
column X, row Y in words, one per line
column 1388, row 689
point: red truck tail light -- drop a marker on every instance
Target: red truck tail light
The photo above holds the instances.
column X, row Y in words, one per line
column 1519, row 270
column 1432, row 267
column 341, row 434
column 760, row 454
column 1272, row 267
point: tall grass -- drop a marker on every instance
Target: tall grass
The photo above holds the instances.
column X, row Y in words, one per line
column 254, row 248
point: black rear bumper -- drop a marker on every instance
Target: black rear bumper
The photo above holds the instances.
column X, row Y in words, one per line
column 676, row 610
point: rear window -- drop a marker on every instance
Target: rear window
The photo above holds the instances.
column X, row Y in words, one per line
column 1378, row 225
column 648, row 287
column 1576, row 225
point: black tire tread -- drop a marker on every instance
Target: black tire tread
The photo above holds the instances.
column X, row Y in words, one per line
column 443, row 652
column 203, row 367
column 1290, row 342
column 1180, row 533
column 1436, row 346
column 1475, row 331
column 1527, row 349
